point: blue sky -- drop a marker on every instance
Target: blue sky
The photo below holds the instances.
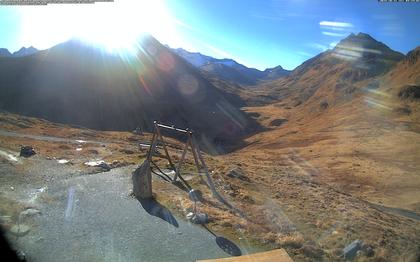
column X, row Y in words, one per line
column 257, row 33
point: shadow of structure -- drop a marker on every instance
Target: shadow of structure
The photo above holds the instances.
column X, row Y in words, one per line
column 225, row 244
column 154, row 208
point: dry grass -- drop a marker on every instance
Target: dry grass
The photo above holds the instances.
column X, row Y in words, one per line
column 300, row 184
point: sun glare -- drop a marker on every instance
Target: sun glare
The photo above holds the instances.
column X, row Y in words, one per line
column 112, row 25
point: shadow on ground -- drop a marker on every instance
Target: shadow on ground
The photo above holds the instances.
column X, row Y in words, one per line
column 154, row 208
column 225, row 244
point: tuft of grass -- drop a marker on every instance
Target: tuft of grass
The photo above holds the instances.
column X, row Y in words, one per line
column 294, row 240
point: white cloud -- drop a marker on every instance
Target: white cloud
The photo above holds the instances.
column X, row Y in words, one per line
column 302, row 53
column 218, row 51
column 333, row 44
column 317, row 46
column 333, row 34
column 335, row 24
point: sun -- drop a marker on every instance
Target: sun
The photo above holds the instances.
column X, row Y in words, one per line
column 112, row 25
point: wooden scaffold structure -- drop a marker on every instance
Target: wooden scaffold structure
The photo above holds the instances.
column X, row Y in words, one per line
column 142, row 176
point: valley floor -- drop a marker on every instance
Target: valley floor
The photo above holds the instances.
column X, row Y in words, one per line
column 309, row 190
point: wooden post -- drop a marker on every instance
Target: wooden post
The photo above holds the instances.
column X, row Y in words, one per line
column 142, row 181
column 142, row 176
column 182, row 159
column 164, row 147
column 206, row 170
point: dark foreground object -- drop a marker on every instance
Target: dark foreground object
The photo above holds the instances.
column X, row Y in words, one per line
column 7, row 253
column 27, row 151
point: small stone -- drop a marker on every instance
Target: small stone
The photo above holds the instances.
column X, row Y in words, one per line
column 104, row 166
column 369, row 252
column 350, row 251
column 200, row 218
column 189, row 215
column 30, row 212
column 20, row 230
column 5, row 219
column 238, row 173
column 21, row 255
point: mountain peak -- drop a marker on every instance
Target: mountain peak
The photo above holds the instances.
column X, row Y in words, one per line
column 364, row 46
column 361, row 39
column 23, row 51
column 364, row 35
column 5, row 52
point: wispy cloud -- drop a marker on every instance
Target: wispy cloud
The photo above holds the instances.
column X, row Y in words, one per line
column 302, row 53
column 218, row 51
column 333, row 44
column 340, row 29
column 335, row 29
column 182, row 24
column 317, row 46
column 336, row 24
column 267, row 17
column 333, row 34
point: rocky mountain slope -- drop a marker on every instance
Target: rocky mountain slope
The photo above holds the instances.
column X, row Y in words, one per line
column 21, row 52
column 78, row 84
column 337, row 161
column 4, row 52
column 347, row 120
column 230, row 70
column 330, row 75
column 354, row 121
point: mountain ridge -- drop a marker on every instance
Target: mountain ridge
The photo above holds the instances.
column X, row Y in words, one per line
column 333, row 72
column 229, row 70
column 111, row 93
column 23, row 51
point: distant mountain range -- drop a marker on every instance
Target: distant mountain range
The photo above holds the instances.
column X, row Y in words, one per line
column 332, row 76
column 230, row 70
column 4, row 52
column 78, row 84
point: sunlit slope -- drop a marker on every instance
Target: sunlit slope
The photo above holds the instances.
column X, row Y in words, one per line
column 349, row 120
column 330, row 75
column 78, row 84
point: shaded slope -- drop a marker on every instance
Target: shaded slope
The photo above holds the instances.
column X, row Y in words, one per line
column 228, row 73
column 78, row 84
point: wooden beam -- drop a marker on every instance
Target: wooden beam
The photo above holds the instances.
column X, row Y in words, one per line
column 206, row 170
column 172, row 128
column 152, row 146
column 178, row 168
column 277, row 255
column 164, row 148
